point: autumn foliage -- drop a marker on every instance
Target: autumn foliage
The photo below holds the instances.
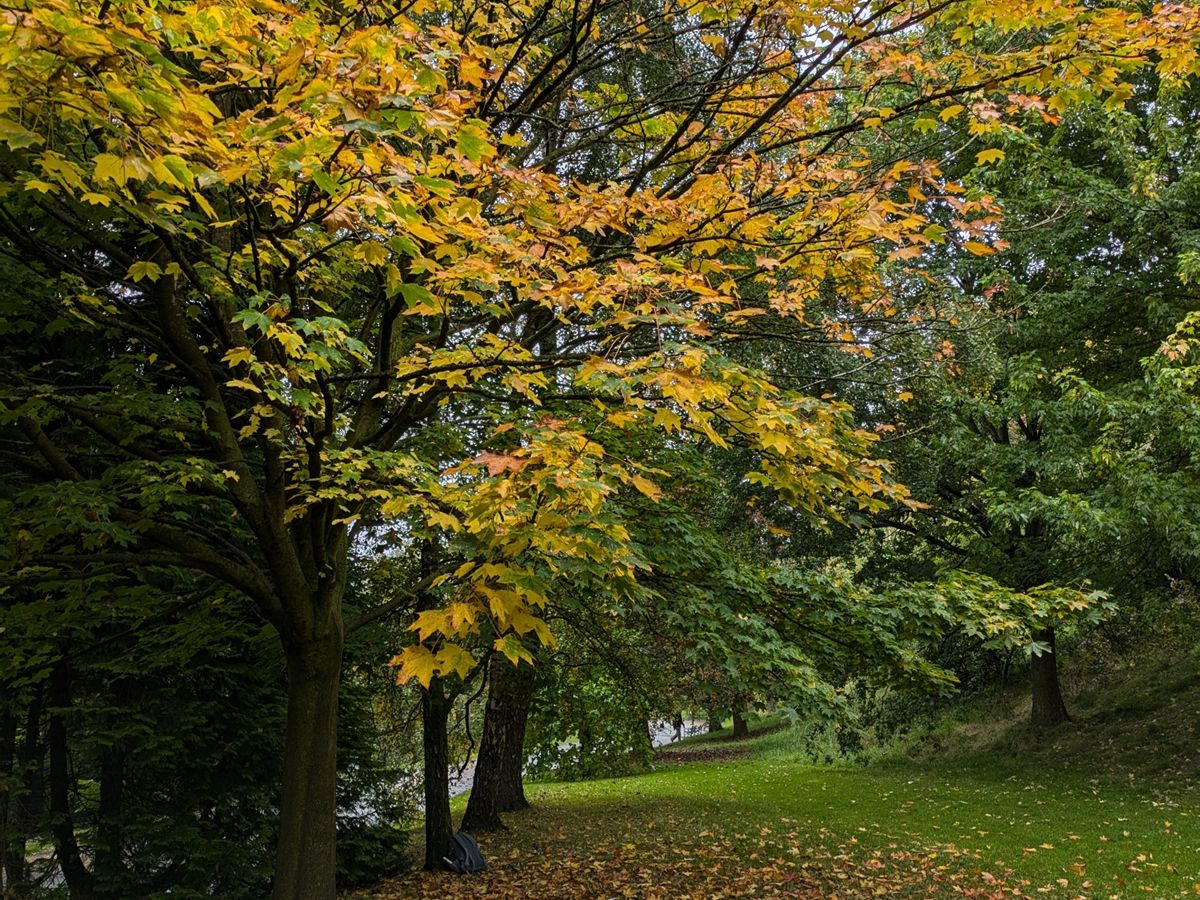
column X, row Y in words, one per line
column 421, row 271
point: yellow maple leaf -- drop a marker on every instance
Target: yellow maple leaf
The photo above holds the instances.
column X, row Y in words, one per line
column 416, row 662
column 978, row 248
column 429, row 623
column 646, row 486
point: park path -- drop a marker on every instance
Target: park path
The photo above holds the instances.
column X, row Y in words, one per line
column 662, row 732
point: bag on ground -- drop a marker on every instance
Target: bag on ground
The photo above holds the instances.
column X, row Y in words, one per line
column 465, row 856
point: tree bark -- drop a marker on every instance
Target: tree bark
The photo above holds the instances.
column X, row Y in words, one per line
column 714, row 720
column 26, row 805
column 498, row 786
column 109, row 864
column 1048, row 706
column 741, row 727
column 435, row 742
column 306, row 862
column 439, row 826
column 8, row 748
column 75, row 873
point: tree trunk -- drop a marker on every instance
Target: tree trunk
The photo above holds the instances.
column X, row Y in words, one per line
column 741, row 728
column 435, row 712
column 306, row 862
column 32, row 756
column 109, row 864
column 75, row 873
column 498, row 785
column 714, row 720
column 439, row 826
column 26, row 804
column 1048, row 706
column 8, row 808
column 520, row 681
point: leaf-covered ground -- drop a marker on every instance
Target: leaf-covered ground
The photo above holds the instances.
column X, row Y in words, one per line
column 978, row 804
column 619, row 851
column 763, row 827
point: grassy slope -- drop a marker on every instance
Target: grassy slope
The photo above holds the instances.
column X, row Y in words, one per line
column 1106, row 806
column 1135, row 718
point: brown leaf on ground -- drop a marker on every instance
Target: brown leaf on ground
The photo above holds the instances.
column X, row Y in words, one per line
column 564, row 853
column 700, row 753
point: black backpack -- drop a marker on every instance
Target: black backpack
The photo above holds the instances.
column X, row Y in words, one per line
column 465, row 856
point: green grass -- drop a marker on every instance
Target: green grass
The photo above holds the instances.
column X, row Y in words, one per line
column 1004, row 818
column 1106, row 806
column 905, row 828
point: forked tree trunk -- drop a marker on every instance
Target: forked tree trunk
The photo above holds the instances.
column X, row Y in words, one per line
column 306, row 862
column 741, row 728
column 1048, row 706
column 498, row 786
column 439, row 826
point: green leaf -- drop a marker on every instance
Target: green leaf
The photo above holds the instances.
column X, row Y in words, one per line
column 473, row 143
column 17, row 137
column 325, row 182
column 510, row 645
column 252, row 318
column 179, row 168
column 142, row 269
column 415, row 294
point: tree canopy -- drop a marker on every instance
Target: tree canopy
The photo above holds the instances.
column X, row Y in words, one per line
column 496, row 280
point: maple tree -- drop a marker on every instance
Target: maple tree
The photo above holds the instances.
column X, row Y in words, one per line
column 417, row 267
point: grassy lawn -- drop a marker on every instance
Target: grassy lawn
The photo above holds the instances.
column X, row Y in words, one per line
column 761, row 825
column 978, row 804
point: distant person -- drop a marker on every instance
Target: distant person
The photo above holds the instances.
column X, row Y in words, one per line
column 678, row 723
